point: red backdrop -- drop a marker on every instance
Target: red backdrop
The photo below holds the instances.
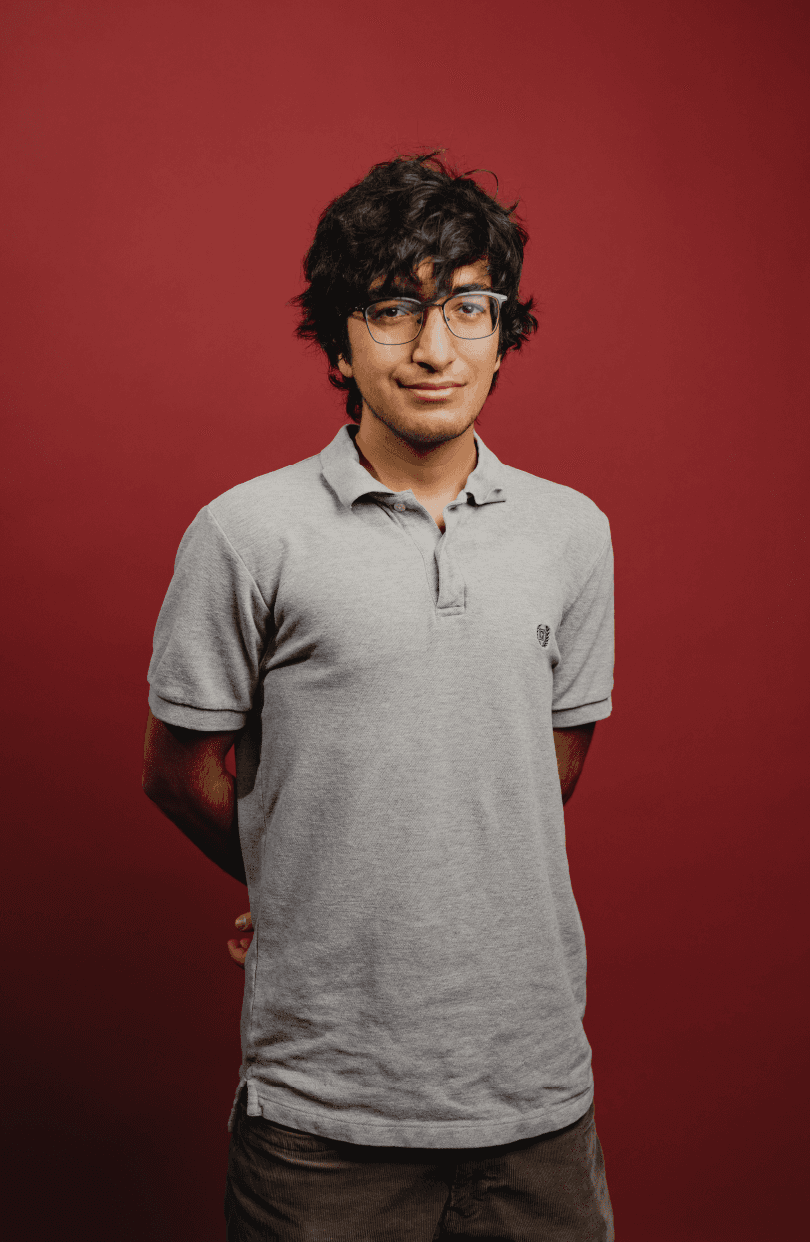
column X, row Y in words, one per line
column 164, row 167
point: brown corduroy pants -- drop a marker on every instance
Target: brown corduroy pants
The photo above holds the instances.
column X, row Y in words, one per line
column 297, row 1187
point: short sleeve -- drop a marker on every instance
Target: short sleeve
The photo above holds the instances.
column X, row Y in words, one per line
column 210, row 636
column 583, row 674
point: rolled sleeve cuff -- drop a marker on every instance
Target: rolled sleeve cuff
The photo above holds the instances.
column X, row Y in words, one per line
column 204, row 719
column 570, row 717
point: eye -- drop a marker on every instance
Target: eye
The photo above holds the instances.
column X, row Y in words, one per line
column 394, row 309
column 470, row 307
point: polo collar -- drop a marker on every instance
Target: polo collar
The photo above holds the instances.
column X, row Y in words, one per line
column 340, row 466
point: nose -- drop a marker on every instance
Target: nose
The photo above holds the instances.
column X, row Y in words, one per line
column 434, row 346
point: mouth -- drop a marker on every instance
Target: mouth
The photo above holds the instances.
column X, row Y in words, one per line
column 431, row 392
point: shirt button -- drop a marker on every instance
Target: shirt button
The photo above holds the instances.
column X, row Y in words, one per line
column 400, row 507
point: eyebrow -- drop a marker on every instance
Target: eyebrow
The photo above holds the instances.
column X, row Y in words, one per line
column 408, row 290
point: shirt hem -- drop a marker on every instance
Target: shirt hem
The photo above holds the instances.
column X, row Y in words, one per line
column 392, row 1132
column 570, row 717
column 203, row 719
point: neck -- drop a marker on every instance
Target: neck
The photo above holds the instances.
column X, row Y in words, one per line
column 425, row 469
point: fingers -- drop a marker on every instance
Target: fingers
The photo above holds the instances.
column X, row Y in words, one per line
column 238, row 950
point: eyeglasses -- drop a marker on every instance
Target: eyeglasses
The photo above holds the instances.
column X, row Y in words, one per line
column 470, row 316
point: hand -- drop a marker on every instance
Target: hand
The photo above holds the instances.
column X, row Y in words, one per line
column 238, row 948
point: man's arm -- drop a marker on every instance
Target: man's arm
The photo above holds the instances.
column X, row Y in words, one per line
column 571, row 746
column 184, row 774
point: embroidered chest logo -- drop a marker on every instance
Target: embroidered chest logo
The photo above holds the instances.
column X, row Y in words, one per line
column 543, row 635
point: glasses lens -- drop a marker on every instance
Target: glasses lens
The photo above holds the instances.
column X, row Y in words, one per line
column 394, row 322
column 398, row 320
column 472, row 315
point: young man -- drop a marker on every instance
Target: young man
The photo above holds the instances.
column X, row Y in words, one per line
column 409, row 644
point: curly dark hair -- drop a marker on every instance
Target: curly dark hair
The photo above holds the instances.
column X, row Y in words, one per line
column 404, row 211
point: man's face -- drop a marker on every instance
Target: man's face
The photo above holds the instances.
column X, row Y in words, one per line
column 433, row 388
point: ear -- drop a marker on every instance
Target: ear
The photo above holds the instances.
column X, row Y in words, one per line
column 344, row 367
column 497, row 364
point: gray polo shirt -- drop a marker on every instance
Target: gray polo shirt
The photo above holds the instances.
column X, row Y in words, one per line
column 417, row 973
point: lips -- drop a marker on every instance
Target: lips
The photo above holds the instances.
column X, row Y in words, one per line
column 433, row 387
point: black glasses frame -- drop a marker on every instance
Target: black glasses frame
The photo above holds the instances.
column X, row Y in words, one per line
column 423, row 306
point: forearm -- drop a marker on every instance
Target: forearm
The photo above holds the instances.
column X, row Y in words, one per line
column 571, row 746
column 208, row 817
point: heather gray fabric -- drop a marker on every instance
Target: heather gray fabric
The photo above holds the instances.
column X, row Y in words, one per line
column 417, row 972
